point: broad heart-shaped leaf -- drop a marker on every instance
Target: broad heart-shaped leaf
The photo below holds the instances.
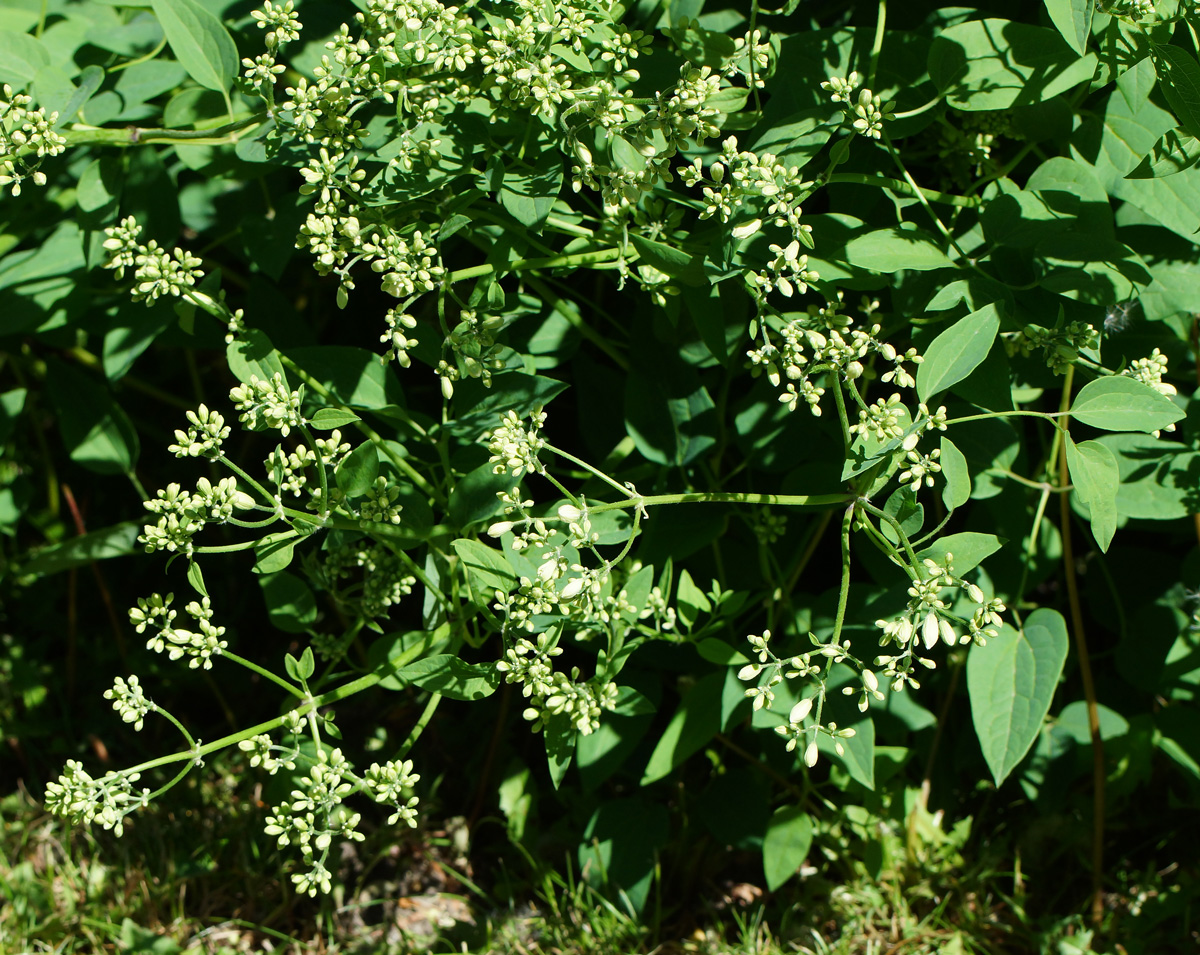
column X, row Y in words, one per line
column 486, row 566
column 1174, row 152
column 1179, row 75
column 1119, row 403
column 786, row 844
column 451, row 677
column 1011, row 681
column 199, row 41
column 957, row 351
column 1096, row 477
column 994, row 64
column 697, row 720
column 326, row 419
column 957, row 490
column 1074, row 21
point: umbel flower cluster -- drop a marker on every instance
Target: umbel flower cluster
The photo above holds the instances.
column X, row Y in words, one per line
column 27, row 136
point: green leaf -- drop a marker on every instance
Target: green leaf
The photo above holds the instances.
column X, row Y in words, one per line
column 1174, row 152
column 1096, row 478
column 560, row 738
column 684, row 268
column 716, row 650
column 695, row 722
column 690, row 600
column 195, row 577
column 957, row 351
column 968, row 548
column 1074, row 21
column 116, row 541
column 858, row 751
column 488, row 569
column 957, row 490
column 474, row 496
column 996, row 64
column 1120, row 403
column 357, row 473
column 1011, row 681
column 97, row 433
column 529, row 194
column 786, row 844
column 290, row 604
column 253, row 355
column 1179, row 75
column 1157, row 480
column 199, row 41
column 326, row 419
column 21, row 56
column 274, row 552
column 354, row 376
column 890, row 250
column 451, row 677
column 668, row 427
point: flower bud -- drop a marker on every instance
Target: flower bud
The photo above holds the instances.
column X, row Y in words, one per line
column 929, row 630
column 572, row 589
column 500, row 528
column 949, row 637
column 810, row 755
column 749, row 671
column 800, row 711
column 569, row 512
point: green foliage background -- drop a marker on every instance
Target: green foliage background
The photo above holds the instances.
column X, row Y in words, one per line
column 666, row 239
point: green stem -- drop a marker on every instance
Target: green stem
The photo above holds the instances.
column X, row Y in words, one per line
column 844, row 592
column 877, row 45
column 236, row 469
column 243, row 545
column 179, row 726
column 322, row 477
column 162, row 45
column 895, row 524
column 588, row 467
column 415, row 733
column 1007, row 414
column 840, row 401
column 548, row 262
column 725, row 497
column 81, row 135
column 266, row 674
column 905, row 189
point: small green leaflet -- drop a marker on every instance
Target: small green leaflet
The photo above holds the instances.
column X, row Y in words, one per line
column 195, row 577
column 967, row 549
column 957, row 490
column 1096, row 478
column 1119, row 403
column 786, row 844
column 300, row 670
column 199, row 41
column 957, row 351
column 1011, row 681
column 329, row 418
column 1179, row 74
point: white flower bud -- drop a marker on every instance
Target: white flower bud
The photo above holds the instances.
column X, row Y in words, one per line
column 929, row 630
column 800, row 711
column 747, row 229
column 810, row 755
column 949, row 637
column 572, row 589
column 568, row 512
column 500, row 528
column 975, row 593
column 549, row 569
column 870, row 681
column 242, row 501
column 749, row 671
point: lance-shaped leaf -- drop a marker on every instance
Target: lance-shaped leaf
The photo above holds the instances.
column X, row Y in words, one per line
column 1096, row 477
column 1174, row 152
column 1179, row 74
column 199, row 41
column 957, row 351
column 1011, row 681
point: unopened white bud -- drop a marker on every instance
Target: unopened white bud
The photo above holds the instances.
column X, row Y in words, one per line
column 500, row 528
column 572, row 589
column 810, row 755
column 949, row 637
column 801, row 710
column 929, row 630
column 569, row 512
